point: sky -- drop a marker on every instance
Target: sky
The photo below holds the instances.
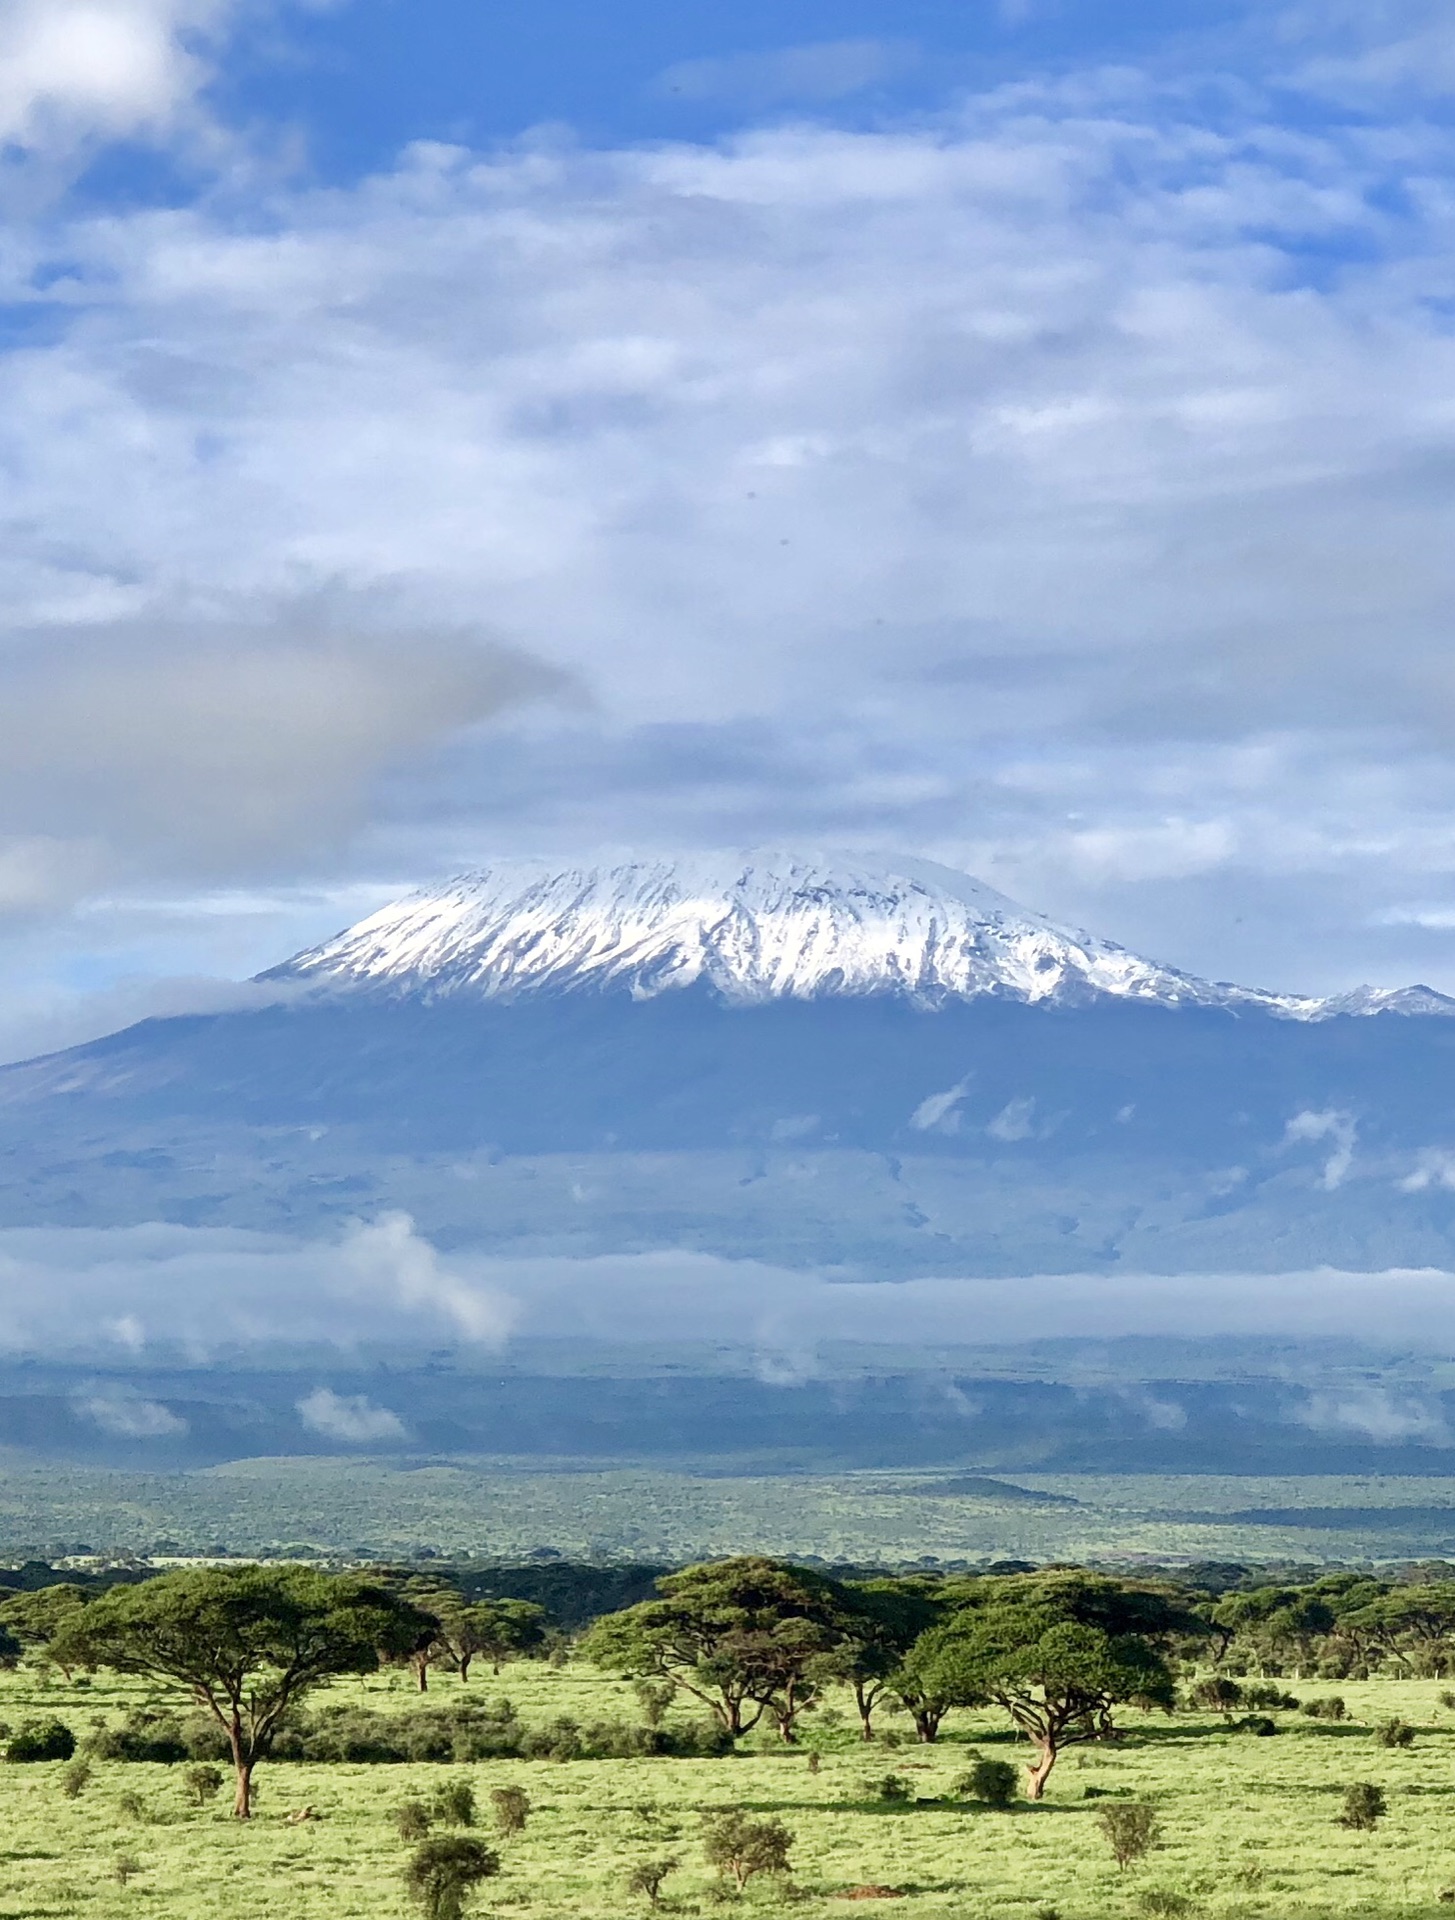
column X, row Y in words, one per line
column 433, row 430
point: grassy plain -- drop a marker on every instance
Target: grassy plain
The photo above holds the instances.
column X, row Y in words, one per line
column 503, row 1508
column 1249, row 1824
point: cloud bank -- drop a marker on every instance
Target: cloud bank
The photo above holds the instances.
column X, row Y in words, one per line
column 211, row 1291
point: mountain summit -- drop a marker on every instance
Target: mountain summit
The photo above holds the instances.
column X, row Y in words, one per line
column 759, row 927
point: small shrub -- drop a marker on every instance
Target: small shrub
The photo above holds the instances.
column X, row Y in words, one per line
column 202, row 1783
column 740, row 1847
column 647, row 1877
column 815, row 1760
column 1131, row 1831
column 1218, row 1694
column 41, row 1740
column 1330, row 1707
column 1270, row 1699
column 1395, row 1733
column 444, row 1872
column 1258, row 1724
column 512, row 1808
column 412, row 1820
column 1447, row 1700
column 894, row 1789
column 124, row 1868
column 132, row 1806
column 1364, row 1806
column 654, row 1697
column 75, row 1779
column 453, row 1804
column 144, row 1734
column 992, row 1782
column 1164, row 1901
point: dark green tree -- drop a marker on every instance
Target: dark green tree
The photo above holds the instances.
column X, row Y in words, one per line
column 745, row 1637
column 247, row 1643
column 493, row 1630
column 444, row 1872
column 1057, row 1651
column 883, row 1619
column 31, row 1621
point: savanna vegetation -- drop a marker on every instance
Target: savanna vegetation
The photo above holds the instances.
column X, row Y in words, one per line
column 255, row 1740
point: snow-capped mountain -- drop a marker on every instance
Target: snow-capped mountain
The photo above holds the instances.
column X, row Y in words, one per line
column 758, row 927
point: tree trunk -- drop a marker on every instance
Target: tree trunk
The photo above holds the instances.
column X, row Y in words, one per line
column 421, row 1671
column 242, row 1762
column 462, row 1661
column 926, row 1724
column 1038, row 1771
column 866, row 1711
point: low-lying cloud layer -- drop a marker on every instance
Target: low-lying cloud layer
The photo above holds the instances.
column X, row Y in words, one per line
column 208, row 1291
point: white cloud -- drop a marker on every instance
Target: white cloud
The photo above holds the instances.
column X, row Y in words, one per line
column 349, row 1417
column 1435, row 1167
column 128, row 1416
column 939, row 1112
column 1015, row 1121
column 387, row 1257
column 99, row 68
column 1378, row 1414
column 1340, row 1128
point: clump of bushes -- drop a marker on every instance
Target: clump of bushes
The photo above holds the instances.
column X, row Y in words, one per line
column 1164, row 1901
column 412, row 1820
column 893, row 1789
column 76, row 1779
column 1258, row 1724
column 1270, row 1700
column 1364, row 1806
column 1330, row 1707
column 992, row 1782
column 1131, row 1831
column 41, row 1740
column 740, row 1847
column 478, row 1730
column 453, row 1804
column 1395, row 1733
column 1217, row 1694
column 146, row 1734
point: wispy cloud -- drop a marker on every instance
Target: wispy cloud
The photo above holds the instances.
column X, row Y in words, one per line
column 352, row 1418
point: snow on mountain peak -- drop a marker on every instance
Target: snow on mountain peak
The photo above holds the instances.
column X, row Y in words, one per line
column 752, row 927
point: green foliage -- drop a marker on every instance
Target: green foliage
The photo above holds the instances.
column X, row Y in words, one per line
column 443, row 1873
column 745, row 1637
column 247, row 1643
column 75, row 1779
column 512, row 1808
column 1258, row 1724
column 124, row 1868
column 1056, row 1651
column 1270, row 1700
column 648, row 1876
column 1395, row 1733
column 894, row 1789
column 992, row 1782
column 1330, row 1707
column 147, row 1733
column 203, row 1783
column 1131, row 1830
column 1164, row 1901
column 412, row 1820
column 1216, row 1695
column 453, row 1803
column 741, row 1847
column 1364, row 1806
column 41, row 1740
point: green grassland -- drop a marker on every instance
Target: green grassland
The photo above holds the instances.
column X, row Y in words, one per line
column 1248, row 1824
column 504, row 1508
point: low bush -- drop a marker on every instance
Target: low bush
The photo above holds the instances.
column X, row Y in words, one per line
column 992, row 1782
column 1364, row 1806
column 1131, row 1830
column 648, row 1876
column 512, row 1808
column 740, row 1847
column 202, row 1783
column 1164, row 1901
column 1217, row 1694
column 1395, row 1733
column 75, row 1779
column 894, row 1789
column 144, row 1734
column 1270, row 1700
column 412, row 1820
column 1258, row 1724
column 444, row 1872
column 453, row 1804
column 1330, row 1707
column 41, row 1740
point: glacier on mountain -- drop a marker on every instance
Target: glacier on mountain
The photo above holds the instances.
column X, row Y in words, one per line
column 759, row 927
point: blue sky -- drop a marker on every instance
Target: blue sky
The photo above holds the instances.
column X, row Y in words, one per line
column 1023, row 434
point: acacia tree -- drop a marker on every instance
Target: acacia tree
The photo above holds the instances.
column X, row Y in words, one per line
column 248, row 1643
column 746, row 1637
column 34, row 1619
column 884, row 1619
column 1057, row 1653
column 493, row 1630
